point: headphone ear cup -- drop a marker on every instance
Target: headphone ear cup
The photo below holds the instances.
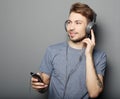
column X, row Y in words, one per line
column 89, row 27
column 65, row 24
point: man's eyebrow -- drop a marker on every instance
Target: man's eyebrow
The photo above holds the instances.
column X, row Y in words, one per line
column 75, row 20
column 68, row 20
column 78, row 21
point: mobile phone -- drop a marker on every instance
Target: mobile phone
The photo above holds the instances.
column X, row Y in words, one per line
column 36, row 76
column 43, row 90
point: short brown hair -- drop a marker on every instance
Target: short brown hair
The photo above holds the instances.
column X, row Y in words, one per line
column 83, row 9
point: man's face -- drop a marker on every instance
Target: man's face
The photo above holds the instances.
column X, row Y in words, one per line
column 76, row 27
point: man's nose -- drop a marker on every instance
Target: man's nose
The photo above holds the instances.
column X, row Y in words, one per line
column 72, row 27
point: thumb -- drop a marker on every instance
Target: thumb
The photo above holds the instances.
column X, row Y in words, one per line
column 38, row 74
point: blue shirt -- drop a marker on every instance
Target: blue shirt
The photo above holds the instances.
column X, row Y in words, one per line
column 66, row 67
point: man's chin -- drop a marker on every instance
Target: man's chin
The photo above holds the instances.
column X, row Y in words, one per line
column 78, row 40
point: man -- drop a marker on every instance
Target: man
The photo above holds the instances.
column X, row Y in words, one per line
column 73, row 69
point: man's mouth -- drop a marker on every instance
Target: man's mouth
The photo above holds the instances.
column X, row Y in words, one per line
column 72, row 34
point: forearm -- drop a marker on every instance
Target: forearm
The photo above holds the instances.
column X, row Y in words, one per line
column 93, row 81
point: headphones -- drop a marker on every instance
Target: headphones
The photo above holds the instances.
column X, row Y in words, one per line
column 89, row 26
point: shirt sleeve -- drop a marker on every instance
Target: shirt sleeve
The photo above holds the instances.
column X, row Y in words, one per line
column 46, row 63
column 101, row 64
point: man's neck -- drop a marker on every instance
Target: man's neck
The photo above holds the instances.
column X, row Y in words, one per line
column 76, row 45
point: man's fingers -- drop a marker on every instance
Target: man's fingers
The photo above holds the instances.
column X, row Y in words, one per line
column 86, row 41
column 38, row 74
column 34, row 79
column 92, row 36
column 38, row 85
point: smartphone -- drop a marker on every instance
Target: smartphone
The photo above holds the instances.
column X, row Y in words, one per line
column 36, row 76
column 43, row 90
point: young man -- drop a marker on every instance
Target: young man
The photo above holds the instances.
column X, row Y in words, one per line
column 73, row 69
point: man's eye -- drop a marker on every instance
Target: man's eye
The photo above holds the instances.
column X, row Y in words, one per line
column 78, row 22
column 68, row 22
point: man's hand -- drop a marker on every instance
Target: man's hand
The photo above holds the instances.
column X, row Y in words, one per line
column 36, row 84
column 90, row 43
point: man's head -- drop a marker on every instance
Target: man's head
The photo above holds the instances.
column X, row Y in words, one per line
column 79, row 17
column 82, row 9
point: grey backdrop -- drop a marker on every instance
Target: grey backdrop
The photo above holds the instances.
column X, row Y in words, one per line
column 27, row 27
